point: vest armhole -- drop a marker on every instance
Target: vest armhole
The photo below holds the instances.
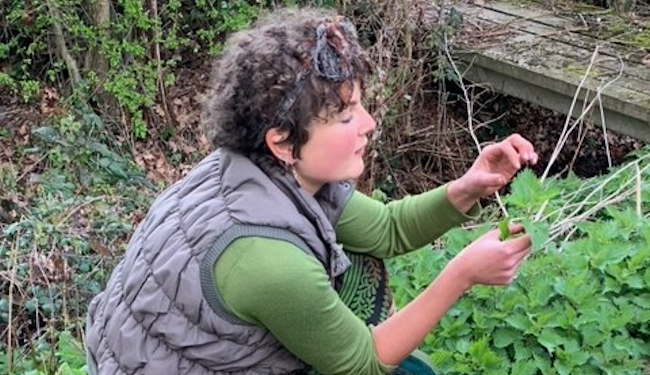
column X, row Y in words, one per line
column 347, row 190
column 208, row 280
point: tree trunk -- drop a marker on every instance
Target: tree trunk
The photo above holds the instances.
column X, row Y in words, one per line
column 100, row 15
column 61, row 46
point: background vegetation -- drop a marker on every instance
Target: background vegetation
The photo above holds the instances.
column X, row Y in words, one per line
column 98, row 103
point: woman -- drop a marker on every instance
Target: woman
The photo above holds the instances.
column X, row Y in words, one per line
column 264, row 259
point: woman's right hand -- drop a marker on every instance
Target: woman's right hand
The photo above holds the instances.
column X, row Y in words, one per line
column 490, row 261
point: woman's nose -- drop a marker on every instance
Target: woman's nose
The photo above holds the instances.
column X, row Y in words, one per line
column 368, row 124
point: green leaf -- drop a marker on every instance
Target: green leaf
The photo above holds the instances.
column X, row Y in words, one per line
column 550, row 339
column 543, row 363
column 503, row 337
column 70, row 351
column 519, row 321
column 563, row 366
column 592, row 335
column 522, row 350
column 523, row 368
column 480, row 351
column 504, row 229
column 540, row 293
column 379, row 195
column 462, row 346
column 527, row 193
column 538, row 231
column 635, row 282
column 46, row 133
column 443, row 361
column 642, row 301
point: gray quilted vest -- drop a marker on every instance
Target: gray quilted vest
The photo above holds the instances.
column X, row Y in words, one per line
column 160, row 312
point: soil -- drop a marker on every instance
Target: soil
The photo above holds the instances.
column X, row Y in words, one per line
column 585, row 152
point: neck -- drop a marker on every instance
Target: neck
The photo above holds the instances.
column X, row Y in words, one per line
column 310, row 187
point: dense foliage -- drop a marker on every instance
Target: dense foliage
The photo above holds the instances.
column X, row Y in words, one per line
column 119, row 53
column 580, row 304
column 62, row 230
column 71, row 191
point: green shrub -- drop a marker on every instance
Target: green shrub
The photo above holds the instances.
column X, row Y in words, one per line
column 580, row 306
column 129, row 58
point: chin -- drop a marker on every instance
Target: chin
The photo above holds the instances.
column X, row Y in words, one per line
column 356, row 171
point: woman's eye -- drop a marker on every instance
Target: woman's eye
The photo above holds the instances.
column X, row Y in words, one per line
column 347, row 120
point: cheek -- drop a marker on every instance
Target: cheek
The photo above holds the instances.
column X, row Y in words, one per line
column 333, row 152
column 343, row 144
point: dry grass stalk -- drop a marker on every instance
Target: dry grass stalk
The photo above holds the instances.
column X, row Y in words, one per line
column 417, row 145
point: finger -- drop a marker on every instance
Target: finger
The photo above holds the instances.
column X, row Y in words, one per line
column 519, row 244
column 511, row 153
column 521, row 257
column 524, row 148
column 493, row 234
column 503, row 150
column 516, row 228
column 491, row 180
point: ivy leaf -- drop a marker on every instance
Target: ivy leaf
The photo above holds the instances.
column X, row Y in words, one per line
column 46, row 133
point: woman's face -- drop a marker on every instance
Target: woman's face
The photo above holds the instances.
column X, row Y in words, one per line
column 336, row 145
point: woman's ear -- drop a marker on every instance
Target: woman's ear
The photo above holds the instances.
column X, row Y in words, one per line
column 276, row 142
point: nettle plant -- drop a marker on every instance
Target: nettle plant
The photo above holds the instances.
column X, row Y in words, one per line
column 580, row 304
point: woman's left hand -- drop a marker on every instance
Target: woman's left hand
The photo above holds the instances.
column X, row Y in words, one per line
column 492, row 170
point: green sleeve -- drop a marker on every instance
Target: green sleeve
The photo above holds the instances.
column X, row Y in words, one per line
column 386, row 230
column 274, row 284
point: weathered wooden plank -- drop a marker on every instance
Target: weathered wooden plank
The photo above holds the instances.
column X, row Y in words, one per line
column 564, row 62
column 549, row 92
column 530, row 21
column 566, row 29
column 543, row 64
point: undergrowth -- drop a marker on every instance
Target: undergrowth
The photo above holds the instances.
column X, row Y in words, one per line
column 66, row 219
column 581, row 302
column 71, row 196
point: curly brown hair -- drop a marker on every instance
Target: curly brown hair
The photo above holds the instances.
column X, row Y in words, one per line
column 283, row 73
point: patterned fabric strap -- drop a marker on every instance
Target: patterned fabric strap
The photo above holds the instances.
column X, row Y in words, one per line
column 364, row 289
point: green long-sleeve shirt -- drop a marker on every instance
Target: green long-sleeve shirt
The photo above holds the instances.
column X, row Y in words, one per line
column 274, row 284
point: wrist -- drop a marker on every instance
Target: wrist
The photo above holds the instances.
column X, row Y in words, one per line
column 458, row 272
column 460, row 197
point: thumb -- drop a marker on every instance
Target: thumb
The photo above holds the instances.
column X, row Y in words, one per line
column 491, row 180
